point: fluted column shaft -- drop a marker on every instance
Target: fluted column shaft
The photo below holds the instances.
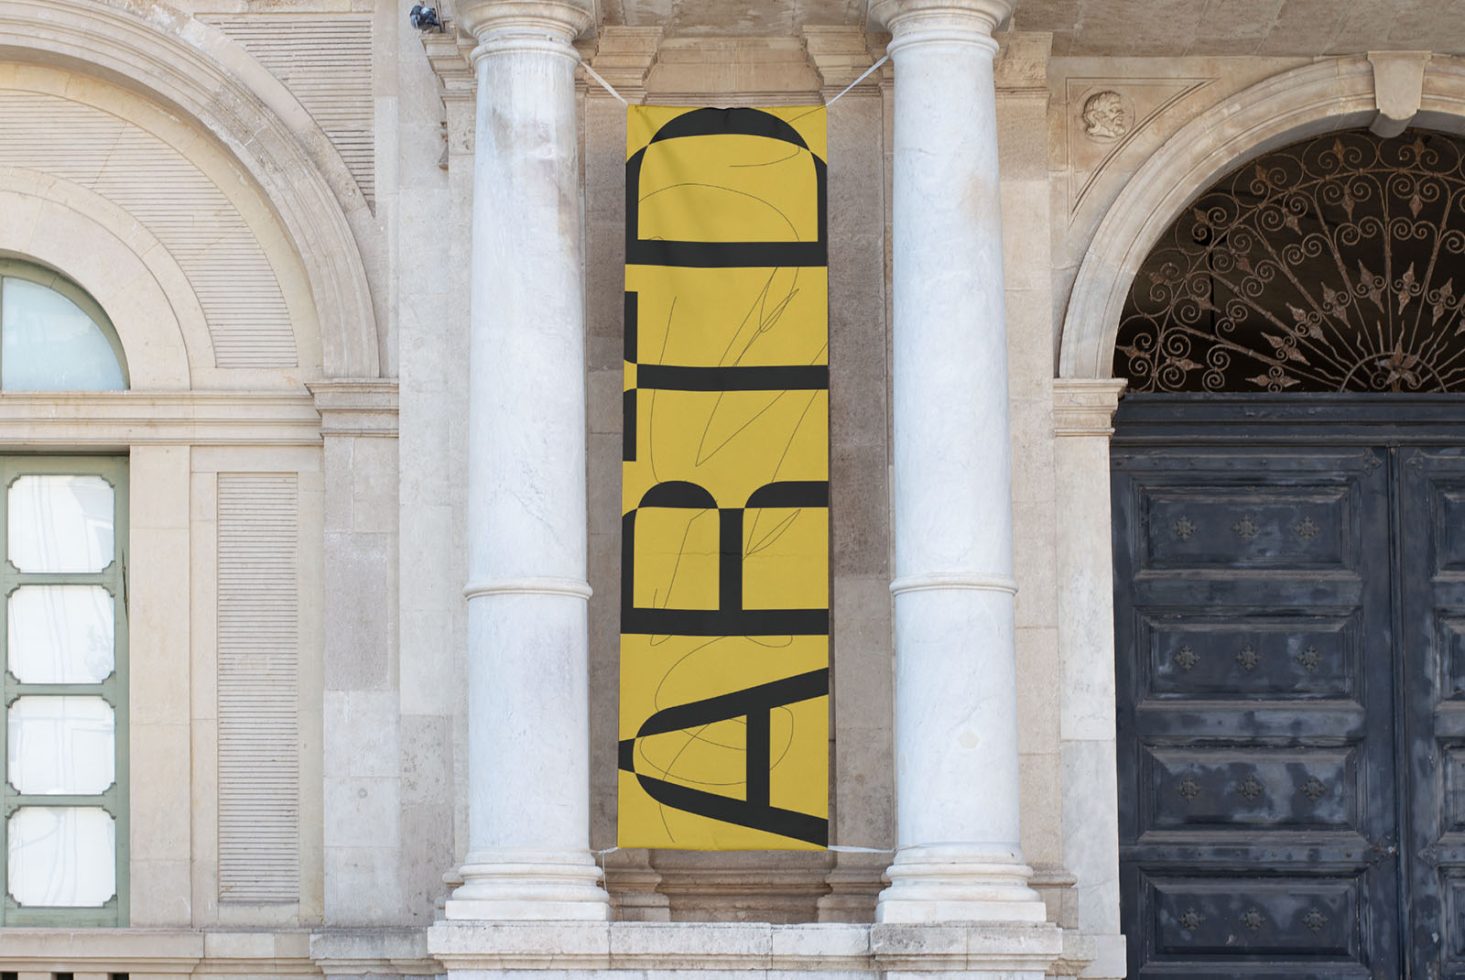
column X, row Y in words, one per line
column 958, row 857
column 528, row 808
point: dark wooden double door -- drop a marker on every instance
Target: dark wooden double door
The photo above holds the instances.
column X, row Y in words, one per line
column 1290, row 625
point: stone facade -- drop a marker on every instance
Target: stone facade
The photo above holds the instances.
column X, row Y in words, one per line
column 324, row 337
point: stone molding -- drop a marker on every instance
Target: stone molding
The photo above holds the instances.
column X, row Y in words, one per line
column 689, row 947
column 686, row 948
column 449, row 55
column 1021, row 68
column 854, row 886
column 356, row 408
column 197, row 70
column 182, row 953
column 633, row 886
column 1330, row 94
column 841, row 55
column 368, row 952
column 151, row 952
column 133, row 418
column 624, row 56
column 1082, row 951
column 1085, row 406
column 777, row 887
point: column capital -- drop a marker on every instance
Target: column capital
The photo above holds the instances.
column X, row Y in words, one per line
column 499, row 24
column 951, row 21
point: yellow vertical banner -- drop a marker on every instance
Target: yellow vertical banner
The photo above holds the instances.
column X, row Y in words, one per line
column 724, row 683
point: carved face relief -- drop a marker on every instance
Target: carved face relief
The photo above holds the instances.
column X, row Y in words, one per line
column 1106, row 117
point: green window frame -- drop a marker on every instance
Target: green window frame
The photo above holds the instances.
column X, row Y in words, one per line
column 113, row 689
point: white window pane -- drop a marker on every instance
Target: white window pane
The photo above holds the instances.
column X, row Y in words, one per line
column 62, row 856
column 60, row 634
column 50, row 344
column 60, row 523
column 60, row 745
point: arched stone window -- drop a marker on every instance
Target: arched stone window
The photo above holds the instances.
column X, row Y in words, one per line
column 53, row 335
column 1334, row 264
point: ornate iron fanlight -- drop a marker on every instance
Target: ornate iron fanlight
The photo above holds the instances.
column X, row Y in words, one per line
column 1337, row 264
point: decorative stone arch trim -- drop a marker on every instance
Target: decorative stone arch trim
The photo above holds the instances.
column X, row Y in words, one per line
column 196, row 70
column 103, row 249
column 1338, row 93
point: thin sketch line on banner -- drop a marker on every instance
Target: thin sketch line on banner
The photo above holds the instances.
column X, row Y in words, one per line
column 842, row 92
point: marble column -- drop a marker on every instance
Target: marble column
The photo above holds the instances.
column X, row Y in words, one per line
column 528, row 807
column 958, row 855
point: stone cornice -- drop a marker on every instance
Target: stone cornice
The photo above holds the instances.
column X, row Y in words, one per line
column 449, row 56
column 131, row 418
column 1022, row 64
column 841, row 55
column 153, row 952
column 1085, row 406
column 624, row 57
column 373, row 951
column 685, row 947
column 356, row 408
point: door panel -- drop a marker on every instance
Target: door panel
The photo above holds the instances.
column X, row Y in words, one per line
column 1431, row 518
column 1255, row 703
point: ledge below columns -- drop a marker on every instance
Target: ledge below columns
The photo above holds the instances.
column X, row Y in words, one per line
column 663, row 950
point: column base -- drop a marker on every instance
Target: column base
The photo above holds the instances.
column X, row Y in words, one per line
column 955, row 883
column 522, row 886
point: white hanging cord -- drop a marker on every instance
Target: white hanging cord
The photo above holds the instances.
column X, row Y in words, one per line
column 842, row 93
column 867, row 73
column 603, row 83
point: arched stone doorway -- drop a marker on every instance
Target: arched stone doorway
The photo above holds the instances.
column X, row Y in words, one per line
column 1289, row 535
